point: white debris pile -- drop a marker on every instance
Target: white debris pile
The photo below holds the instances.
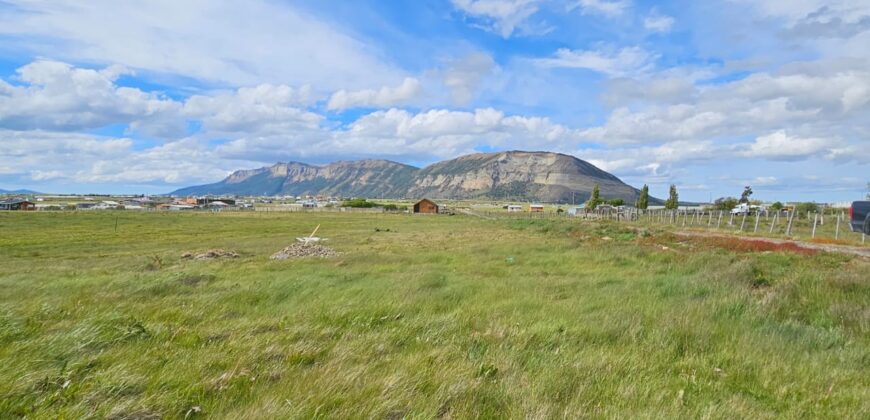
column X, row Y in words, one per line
column 300, row 250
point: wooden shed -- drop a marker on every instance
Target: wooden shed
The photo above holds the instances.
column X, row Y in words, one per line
column 426, row 206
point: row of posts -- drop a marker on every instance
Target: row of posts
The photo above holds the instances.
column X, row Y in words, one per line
column 708, row 218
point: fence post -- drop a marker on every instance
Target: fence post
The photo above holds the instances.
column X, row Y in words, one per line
column 710, row 220
column 757, row 218
column 743, row 222
column 719, row 222
column 731, row 220
column 837, row 231
column 815, row 220
column 773, row 222
column 790, row 222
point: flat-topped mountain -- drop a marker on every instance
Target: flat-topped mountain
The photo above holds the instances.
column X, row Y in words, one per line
column 515, row 175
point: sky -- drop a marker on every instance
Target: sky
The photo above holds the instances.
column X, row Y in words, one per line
column 116, row 96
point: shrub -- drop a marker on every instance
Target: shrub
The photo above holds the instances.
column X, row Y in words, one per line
column 359, row 203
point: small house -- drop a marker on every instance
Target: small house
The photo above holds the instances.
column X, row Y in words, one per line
column 536, row 208
column 514, row 208
column 17, row 204
column 426, row 206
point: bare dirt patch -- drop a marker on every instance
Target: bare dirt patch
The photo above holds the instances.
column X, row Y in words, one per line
column 302, row 250
column 212, row 254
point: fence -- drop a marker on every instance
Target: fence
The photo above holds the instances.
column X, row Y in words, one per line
column 830, row 226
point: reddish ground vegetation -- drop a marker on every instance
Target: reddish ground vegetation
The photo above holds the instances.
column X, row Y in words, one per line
column 829, row 241
column 753, row 245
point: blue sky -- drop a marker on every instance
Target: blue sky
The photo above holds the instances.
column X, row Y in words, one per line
column 116, row 96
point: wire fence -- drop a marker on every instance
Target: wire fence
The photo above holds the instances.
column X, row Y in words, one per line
column 829, row 226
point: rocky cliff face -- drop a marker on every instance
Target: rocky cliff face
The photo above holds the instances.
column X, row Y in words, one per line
column 524, row 176
column 364, row 178
column 527, row 176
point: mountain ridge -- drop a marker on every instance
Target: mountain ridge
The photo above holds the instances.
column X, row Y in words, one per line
column 515, row 175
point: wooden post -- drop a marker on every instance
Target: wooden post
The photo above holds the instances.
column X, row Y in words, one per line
column 710, row 221
column 773, row 222
column 731, row 220
column 837, row 230
column 743, row 222
column 815, row 221
column 719, row 222
column 757, row 218
column 790, row 222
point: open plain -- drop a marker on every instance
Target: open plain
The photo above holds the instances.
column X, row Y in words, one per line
column 420, row 317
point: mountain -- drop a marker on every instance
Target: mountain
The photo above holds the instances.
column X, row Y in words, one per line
column 515, row 175
column 362, row 178
column 536, row 176
column 2, row 191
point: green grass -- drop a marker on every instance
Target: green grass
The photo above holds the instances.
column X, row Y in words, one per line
column 437, row 317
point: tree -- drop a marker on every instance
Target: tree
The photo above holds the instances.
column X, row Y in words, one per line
column 725, row 203
column 594, row 199
column 673, row 198
column 616, row 202
column 777, row 206
column 807, row 208
column 643, row 200
column 747, row 192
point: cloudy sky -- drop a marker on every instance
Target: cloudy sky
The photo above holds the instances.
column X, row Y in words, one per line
column 146, row 96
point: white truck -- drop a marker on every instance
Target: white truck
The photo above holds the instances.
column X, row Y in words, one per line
column 746, row 208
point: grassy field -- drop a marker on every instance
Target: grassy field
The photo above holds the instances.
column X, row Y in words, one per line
column 420, row 317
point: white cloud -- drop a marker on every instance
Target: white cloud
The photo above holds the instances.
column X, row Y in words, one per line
column 240, row 44
column 501, row 16
column 657, row 22
column 621, row 62
column 262, row 109
column 780, row 146
column 815, row 99
column 609, row 8
column 464, row 76
column 382, row 98
column 56, row 95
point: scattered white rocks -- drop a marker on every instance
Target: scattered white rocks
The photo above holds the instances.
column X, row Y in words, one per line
column 301, row 250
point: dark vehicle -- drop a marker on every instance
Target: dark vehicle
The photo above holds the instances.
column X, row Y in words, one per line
column 859, row 214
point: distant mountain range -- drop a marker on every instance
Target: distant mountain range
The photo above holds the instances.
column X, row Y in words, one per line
column 522, row 176
column 2, row 191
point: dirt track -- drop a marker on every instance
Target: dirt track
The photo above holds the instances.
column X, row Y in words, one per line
column 843, row 249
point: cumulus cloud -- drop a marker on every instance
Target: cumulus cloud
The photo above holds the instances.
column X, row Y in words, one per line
column 824, row 98
column 612, row 62
column 382, row 98
column 403, row 135
column 261, row 109
column 499, row 16
column 55, row 95
column 781, row 146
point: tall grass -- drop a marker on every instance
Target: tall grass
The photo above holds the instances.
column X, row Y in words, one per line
column 419, row 317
